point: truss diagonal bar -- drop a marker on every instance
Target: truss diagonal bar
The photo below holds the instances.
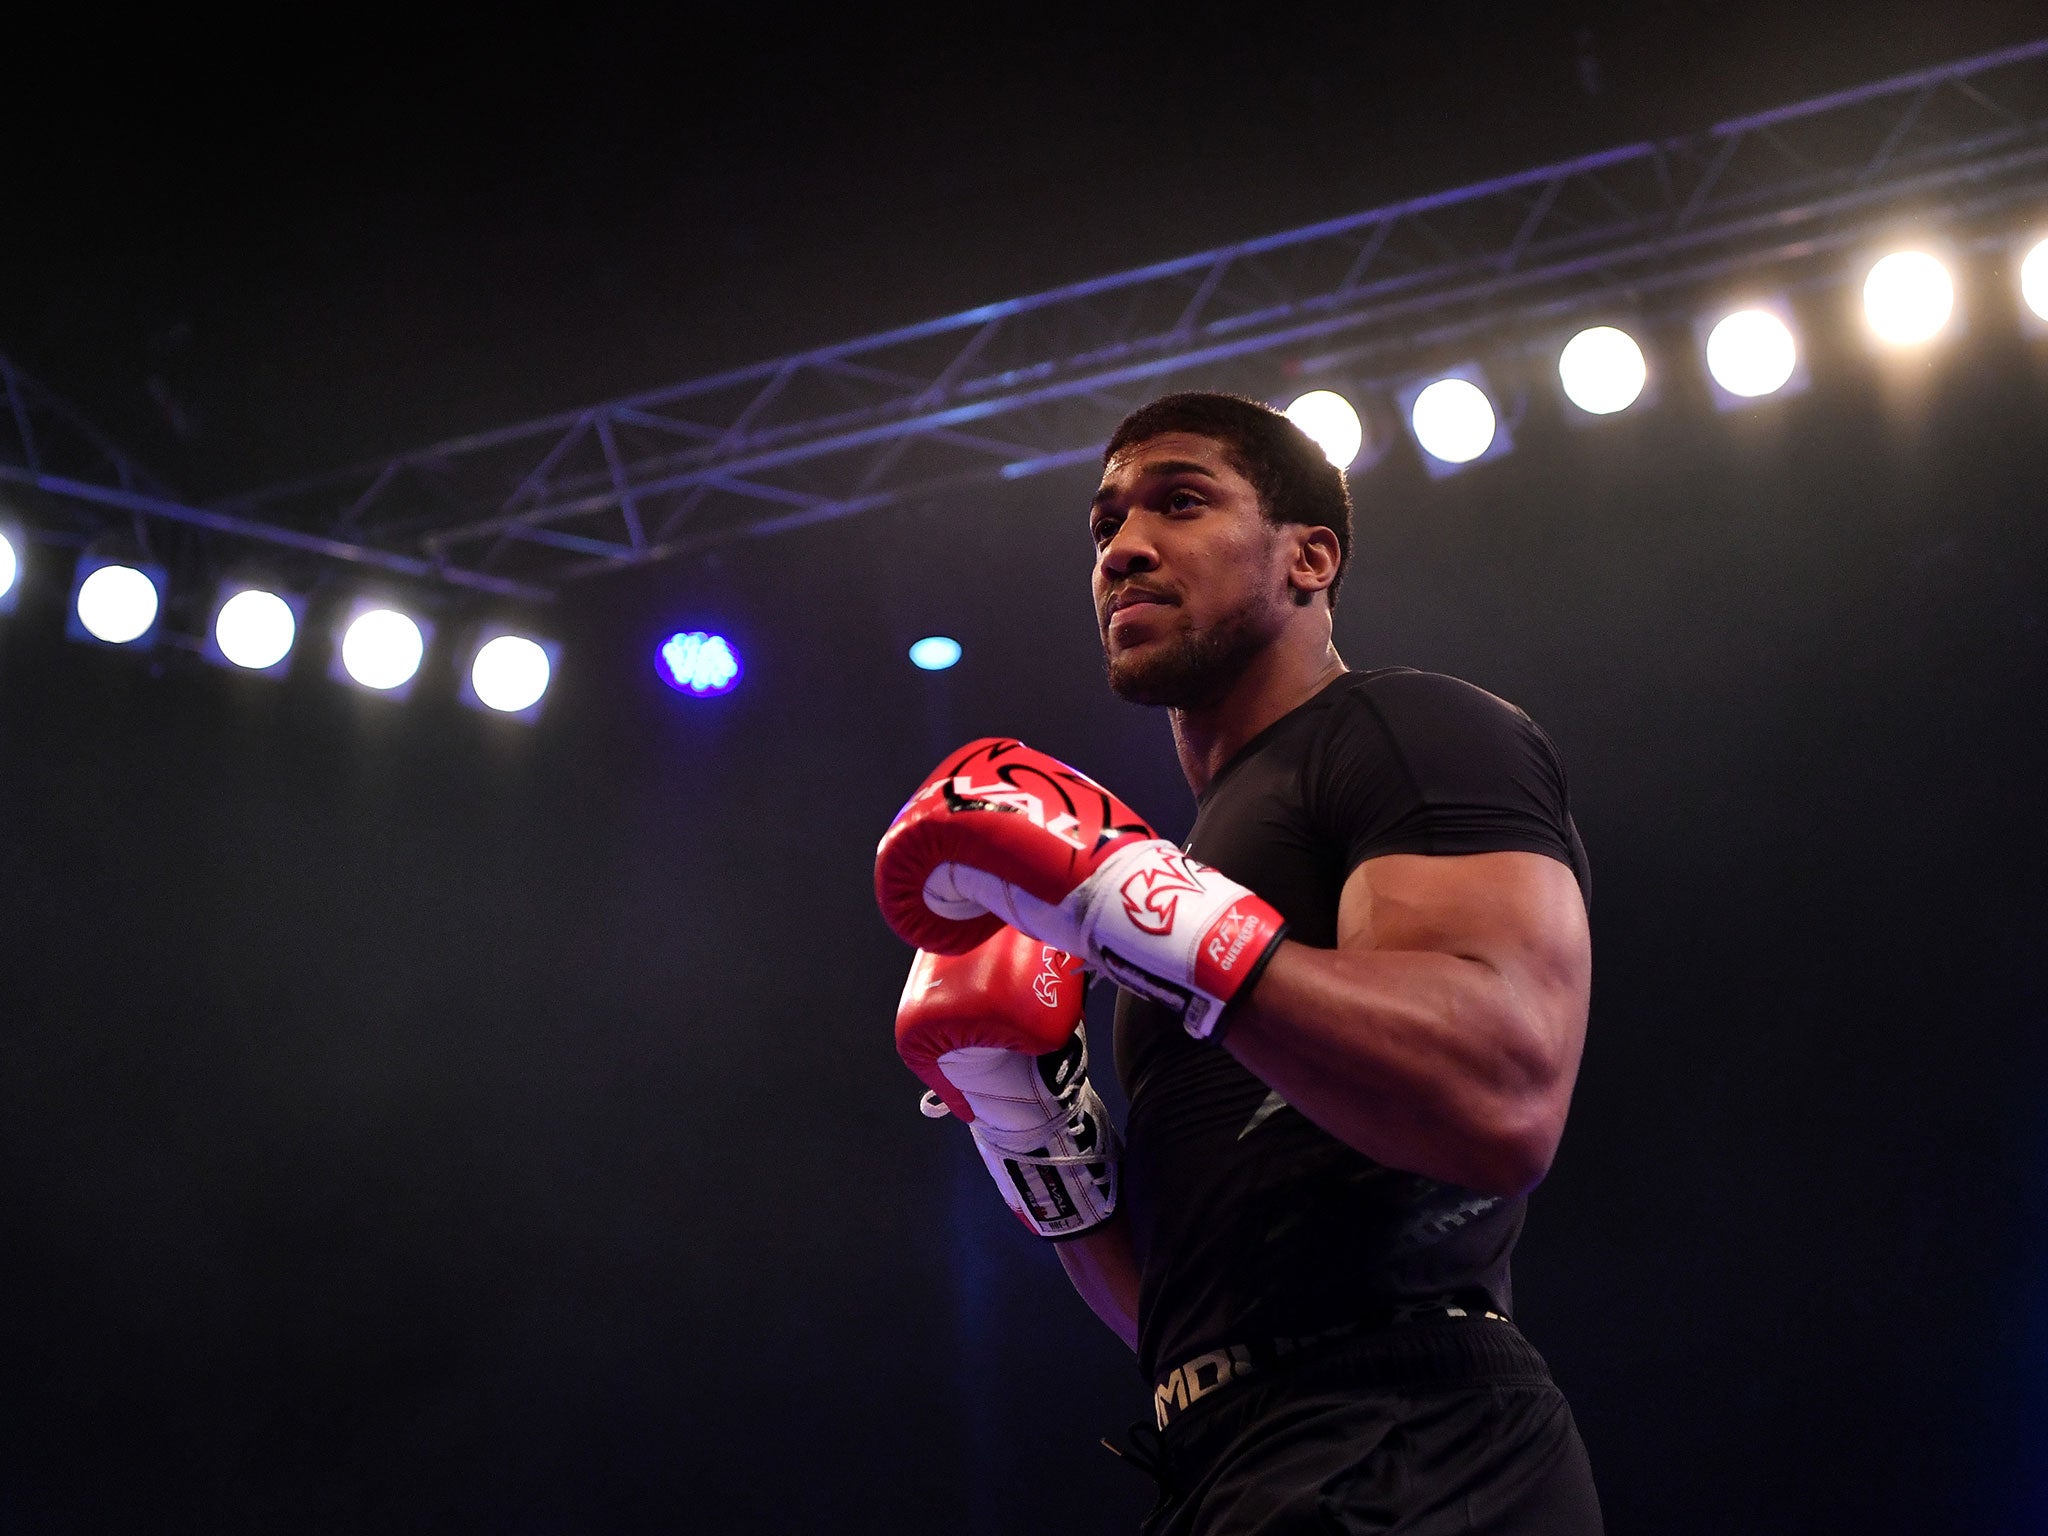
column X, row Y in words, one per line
column 1029, row 383
column 143, row 505
column 48, row 446
column 40, row 433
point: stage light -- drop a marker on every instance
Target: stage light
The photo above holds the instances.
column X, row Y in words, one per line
column 2034, row 280
column 935, row 653
column 116, row 604
column 1751, row 353
column 382, row 649
column 1453, row 420
column 510, row 673
column 10, row 568
column 1908, row 298
column 1602, row 370
column 1328, row 418
column 254, row 630
column 700, row 664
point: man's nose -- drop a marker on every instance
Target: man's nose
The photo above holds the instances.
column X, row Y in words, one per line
column 1128, row 550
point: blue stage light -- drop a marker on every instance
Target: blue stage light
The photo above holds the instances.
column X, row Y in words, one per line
column 696, row 663
column 935, row 653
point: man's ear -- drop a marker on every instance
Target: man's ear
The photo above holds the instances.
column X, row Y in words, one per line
column 1315, row 562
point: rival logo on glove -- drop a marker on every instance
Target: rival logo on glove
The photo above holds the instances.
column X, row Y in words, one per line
column 1046, row 984
column 1152, row 895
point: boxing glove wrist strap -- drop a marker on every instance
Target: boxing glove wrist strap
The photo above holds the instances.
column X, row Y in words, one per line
column 1152, row 919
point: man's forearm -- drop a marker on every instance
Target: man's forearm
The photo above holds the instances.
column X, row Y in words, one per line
column 1104, row 1269
column 1422, row 1061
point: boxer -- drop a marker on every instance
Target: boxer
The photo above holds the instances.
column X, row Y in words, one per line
column 1350, row 1016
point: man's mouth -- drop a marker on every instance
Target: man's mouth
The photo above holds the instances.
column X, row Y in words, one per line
column 1135, row 601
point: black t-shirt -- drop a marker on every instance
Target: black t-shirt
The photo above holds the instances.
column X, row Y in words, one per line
column 1250, row 1223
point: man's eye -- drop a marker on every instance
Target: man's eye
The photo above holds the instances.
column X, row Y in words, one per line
column 1104, row 531
column 1180, row 501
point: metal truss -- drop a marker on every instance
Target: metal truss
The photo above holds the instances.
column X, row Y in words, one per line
column 47, row 444
column 1015, row 388
column 91, row 486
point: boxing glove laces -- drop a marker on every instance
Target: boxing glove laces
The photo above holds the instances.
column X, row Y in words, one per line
column 996, row 1034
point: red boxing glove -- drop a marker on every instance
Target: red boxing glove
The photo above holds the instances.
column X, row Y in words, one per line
column 1010, row 993
column 997, row 1035
column 1002, row 834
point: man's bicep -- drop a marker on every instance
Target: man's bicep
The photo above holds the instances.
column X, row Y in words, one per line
column 1519, row 913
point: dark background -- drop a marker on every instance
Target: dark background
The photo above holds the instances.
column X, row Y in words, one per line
column 415, row 1121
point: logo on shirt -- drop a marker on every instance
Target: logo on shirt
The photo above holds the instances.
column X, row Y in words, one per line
column 1270, row 1106
column 1434, row 1223
column 1152, row 895
column 1195, row 1380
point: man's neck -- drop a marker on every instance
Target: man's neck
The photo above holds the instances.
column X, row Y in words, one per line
column 1282, row 677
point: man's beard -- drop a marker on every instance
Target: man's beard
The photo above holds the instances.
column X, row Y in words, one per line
column 1187, row 671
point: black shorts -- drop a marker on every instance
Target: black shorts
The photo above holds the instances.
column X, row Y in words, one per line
column 1427, row 1428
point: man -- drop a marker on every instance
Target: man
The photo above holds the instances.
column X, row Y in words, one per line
column 1349, row 1028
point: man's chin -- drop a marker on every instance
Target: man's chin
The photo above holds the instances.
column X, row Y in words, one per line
column 1162, row 676
column 1186, row 670
column 1133, row 687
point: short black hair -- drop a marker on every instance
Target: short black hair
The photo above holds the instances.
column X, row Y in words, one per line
column 1295, row 481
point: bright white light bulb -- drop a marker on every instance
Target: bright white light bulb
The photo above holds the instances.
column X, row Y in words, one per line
column 1907, row 298
column 1602, row 370
column 255, row 629
column 510, row 673
column 1453, row 421
column 1329, row 419
column 10, row 565
column 2034, row 279
column 1751, row 353
column 382, row 649
column 117, row 604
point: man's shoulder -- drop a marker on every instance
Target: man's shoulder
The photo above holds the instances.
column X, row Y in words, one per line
column 1408, row 692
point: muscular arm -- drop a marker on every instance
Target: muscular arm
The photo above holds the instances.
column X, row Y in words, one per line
column 1105, row 1271
column 1442, row 1035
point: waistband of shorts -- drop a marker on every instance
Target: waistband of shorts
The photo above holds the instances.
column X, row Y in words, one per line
column 1422, row 1349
